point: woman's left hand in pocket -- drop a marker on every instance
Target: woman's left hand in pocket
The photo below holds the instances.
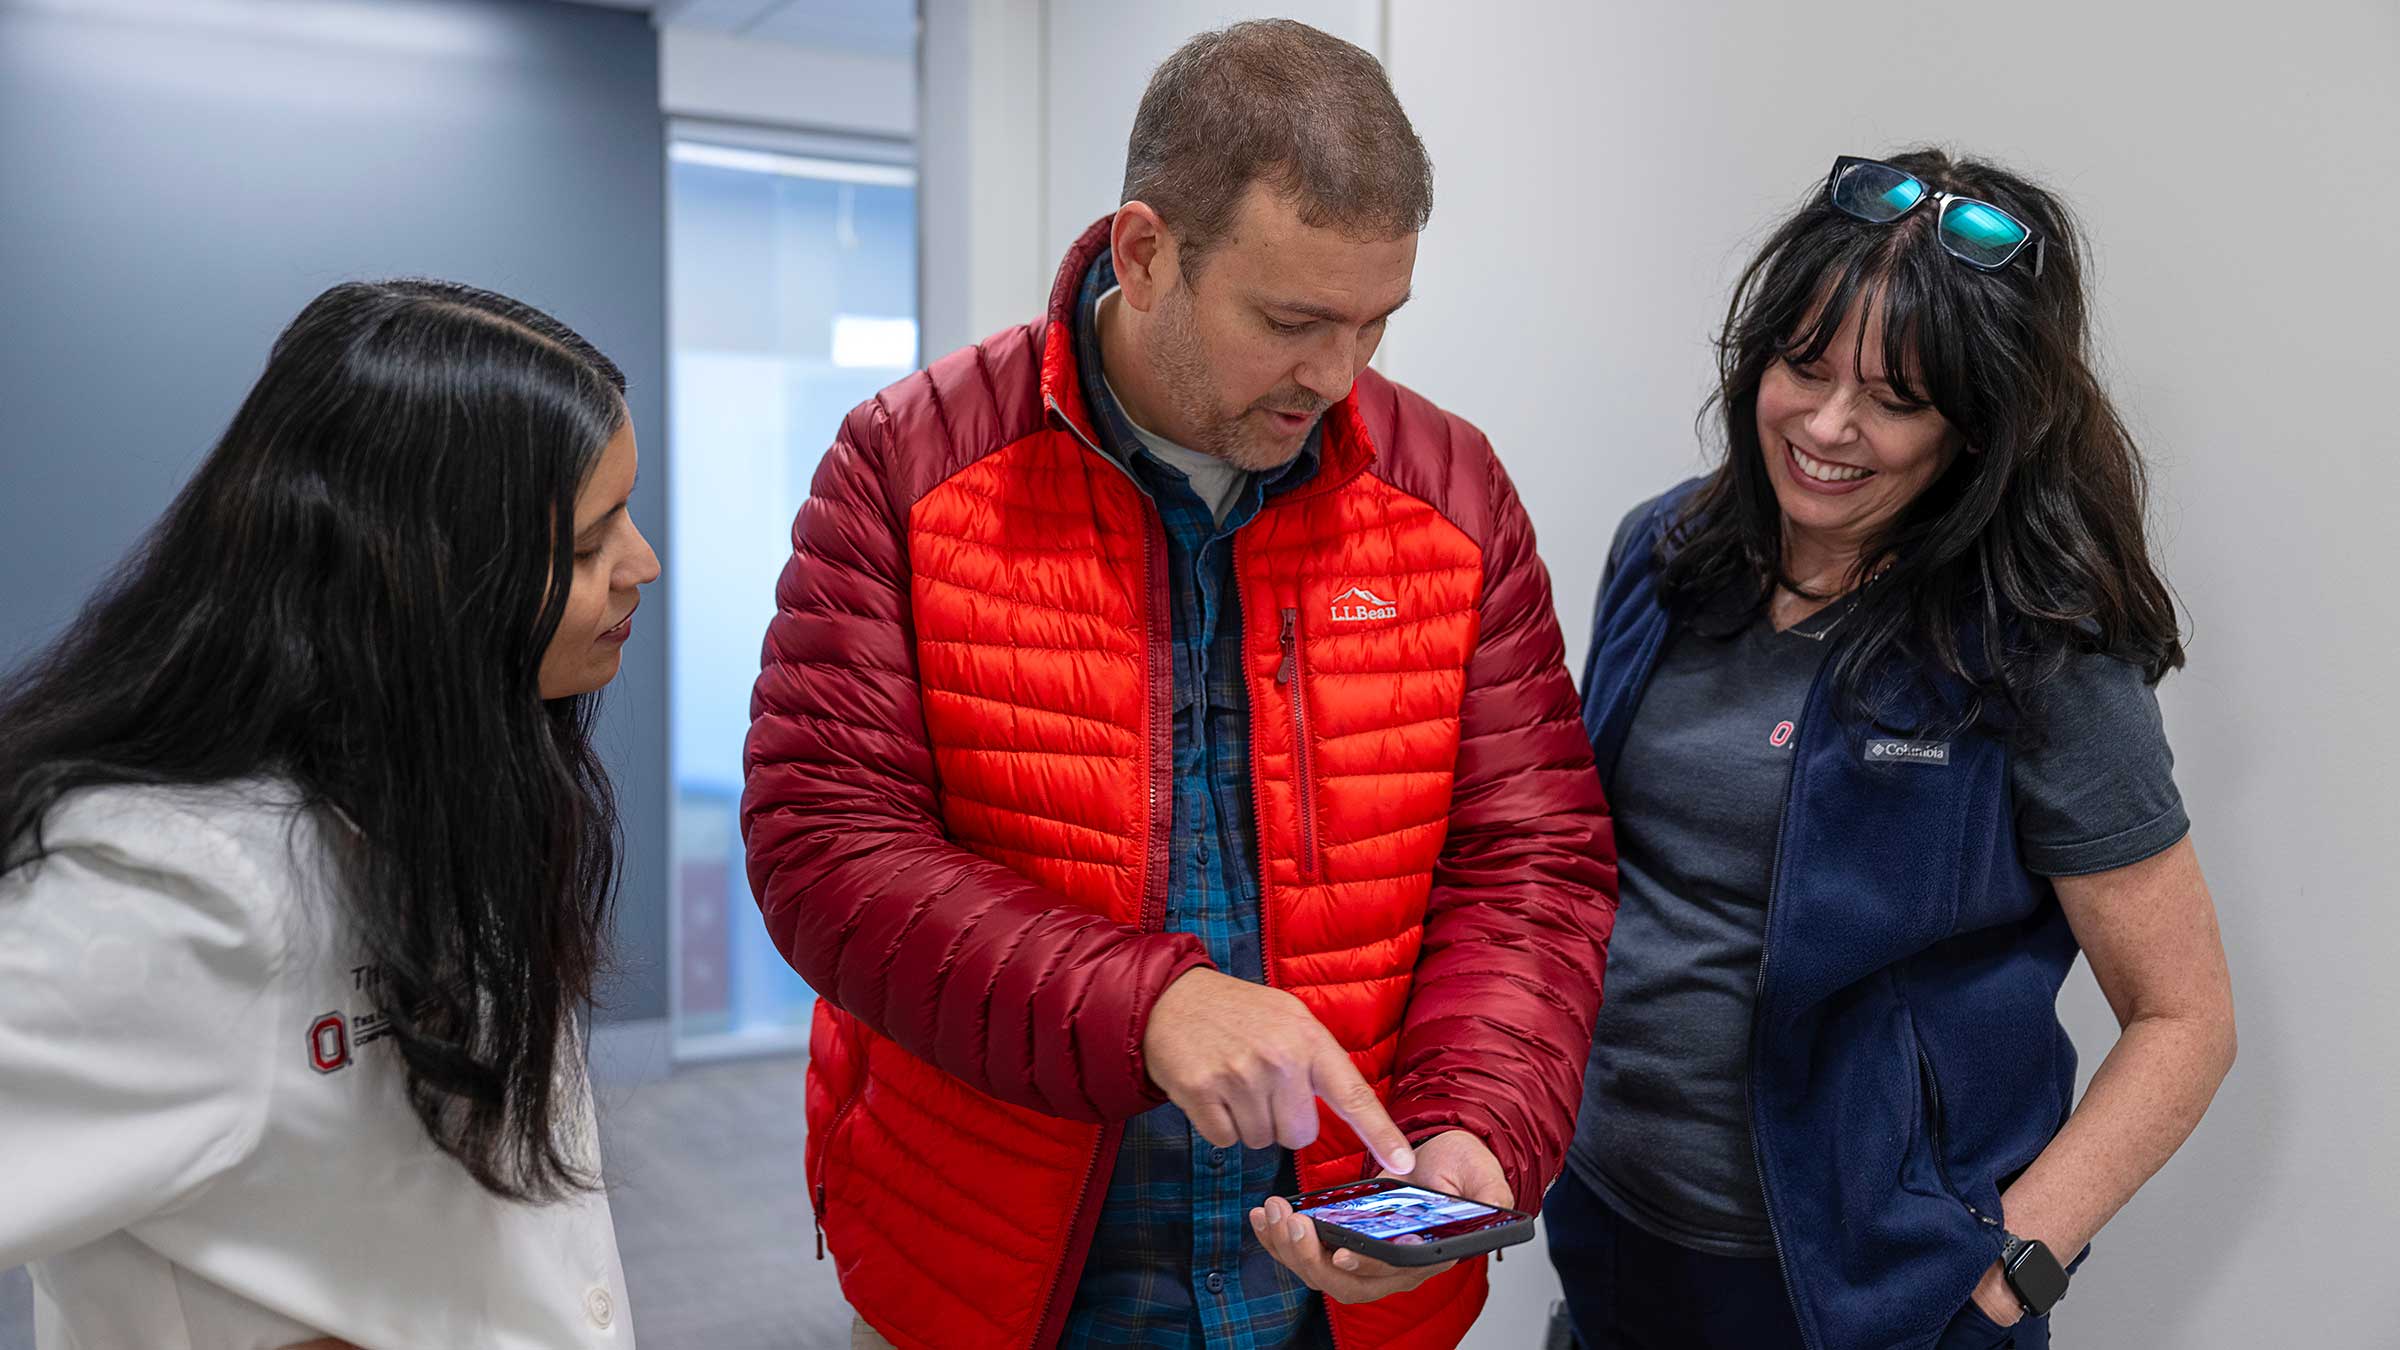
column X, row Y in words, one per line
column 1996, row 1299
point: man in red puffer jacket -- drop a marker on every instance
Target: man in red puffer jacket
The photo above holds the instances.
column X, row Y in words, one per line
column 1163, row 731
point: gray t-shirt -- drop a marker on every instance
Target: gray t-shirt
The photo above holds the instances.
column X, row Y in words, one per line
column 1664, row 1133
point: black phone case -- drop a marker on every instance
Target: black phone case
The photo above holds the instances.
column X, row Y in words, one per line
column 1518, row 1229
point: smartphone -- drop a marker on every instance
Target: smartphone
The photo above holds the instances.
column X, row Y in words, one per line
column 1407, row 1225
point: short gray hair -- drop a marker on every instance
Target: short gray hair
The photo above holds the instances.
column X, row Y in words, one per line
column 1277, row 101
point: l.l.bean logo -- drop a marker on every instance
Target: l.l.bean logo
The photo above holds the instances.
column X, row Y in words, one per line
column 1360, row 605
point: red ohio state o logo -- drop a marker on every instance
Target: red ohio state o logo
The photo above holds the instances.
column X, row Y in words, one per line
column 329, row 1043
column 1781, row 736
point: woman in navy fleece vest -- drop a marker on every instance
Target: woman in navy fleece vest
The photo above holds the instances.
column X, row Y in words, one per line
column 1873, row 702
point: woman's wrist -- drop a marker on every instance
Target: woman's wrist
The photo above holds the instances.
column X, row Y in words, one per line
column 1993, row 1293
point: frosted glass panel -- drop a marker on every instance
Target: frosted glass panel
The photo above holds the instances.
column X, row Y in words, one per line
column 792, row 292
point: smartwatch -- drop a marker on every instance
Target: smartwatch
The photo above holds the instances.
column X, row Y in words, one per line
column 2039, row 1281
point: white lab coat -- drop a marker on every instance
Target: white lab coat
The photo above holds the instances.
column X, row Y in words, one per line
column 205, row 1145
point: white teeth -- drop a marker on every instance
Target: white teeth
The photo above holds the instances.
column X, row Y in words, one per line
column 1824, row 472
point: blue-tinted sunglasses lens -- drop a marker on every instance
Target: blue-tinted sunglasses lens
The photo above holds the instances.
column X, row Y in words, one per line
column 1876, row 192
column 1980, row 234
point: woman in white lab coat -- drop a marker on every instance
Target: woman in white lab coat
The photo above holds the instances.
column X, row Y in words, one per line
column 306, row 861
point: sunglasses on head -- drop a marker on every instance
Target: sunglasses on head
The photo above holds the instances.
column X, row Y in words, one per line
column 1978, row 234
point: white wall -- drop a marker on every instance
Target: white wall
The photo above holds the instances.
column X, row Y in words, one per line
column 981, row 170
column 1101, row 53
column 1602, row 171
column 705, row 73
column 1026, row 107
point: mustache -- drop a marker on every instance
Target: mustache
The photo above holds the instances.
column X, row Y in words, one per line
column 1296, row 403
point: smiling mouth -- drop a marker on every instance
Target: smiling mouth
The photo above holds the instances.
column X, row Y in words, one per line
column 1824, row 471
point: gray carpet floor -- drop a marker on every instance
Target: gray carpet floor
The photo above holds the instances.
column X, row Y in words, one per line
column 16, row 1309
column 712, row 1213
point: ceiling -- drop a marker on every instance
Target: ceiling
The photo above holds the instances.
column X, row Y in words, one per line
column 871, row 27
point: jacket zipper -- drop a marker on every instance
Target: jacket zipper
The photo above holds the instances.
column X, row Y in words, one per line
column 1266, row 883
column 1936, row 1130
column 1933, row 1119
column 1162, row 716
column 1758, row 1154
column 1758, row 1010
column 1292, row 674
column 1154, row 584
column 833, row 1130
column 1154, row 887
column 1083, row 1195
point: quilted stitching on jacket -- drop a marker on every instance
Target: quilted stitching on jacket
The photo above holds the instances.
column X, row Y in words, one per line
column 949, row 817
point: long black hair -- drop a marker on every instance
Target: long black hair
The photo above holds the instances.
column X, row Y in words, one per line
column 353, row 595
column 2028, row 548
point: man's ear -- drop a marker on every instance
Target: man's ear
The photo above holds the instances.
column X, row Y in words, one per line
column 1145, row 255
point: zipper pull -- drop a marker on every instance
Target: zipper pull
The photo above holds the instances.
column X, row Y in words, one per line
column 816, row 1213
column 1291, row 628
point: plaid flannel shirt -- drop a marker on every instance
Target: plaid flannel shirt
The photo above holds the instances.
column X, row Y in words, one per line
column 1174, row 1263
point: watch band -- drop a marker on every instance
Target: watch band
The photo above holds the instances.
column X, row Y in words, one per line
column 2011, row 1247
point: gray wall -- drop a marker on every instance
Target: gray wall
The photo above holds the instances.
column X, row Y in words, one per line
column 177, row 177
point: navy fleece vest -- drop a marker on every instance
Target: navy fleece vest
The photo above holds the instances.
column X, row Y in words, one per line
column 1906, row 1054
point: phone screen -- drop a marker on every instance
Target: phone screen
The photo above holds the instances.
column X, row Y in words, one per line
column 1396, row 1215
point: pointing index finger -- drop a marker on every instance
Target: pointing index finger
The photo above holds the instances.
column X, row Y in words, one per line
column 1337, row 1080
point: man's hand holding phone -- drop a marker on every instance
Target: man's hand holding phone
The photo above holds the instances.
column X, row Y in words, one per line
column 1454, row 1163
column 1247, row 1064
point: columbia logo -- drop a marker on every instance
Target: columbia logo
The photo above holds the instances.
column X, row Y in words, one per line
column 1884, row 750
column 1359, row 605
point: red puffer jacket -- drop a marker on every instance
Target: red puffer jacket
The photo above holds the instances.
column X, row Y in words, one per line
column 958, row 798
